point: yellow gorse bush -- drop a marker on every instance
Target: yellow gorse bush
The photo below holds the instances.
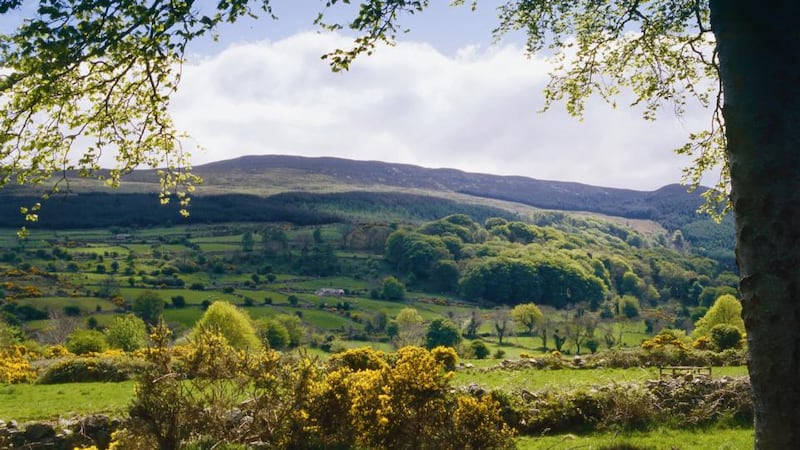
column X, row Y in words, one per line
column 57, row 351
column 360, row 398
column 401, row 401
column 663, row 340
column 15, row 366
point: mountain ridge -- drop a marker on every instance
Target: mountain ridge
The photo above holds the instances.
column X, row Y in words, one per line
column 670, row 205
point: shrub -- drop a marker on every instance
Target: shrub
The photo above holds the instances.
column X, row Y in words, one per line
column 442, row 332
column 592, row 344
column 127, row 333
column 177, row 404
column 446, row 356
column 479, row 349
column 353, row 409
column 629, row 306
column 273, row 333
column 626, row 405
column 232, row 323
column 91, row 369
column 56, row 351
column 392, row 289
column 178, row 301
column 725, row 336
column 72, row 311
column 358, row 359
column 86, row 341
column 14, row 365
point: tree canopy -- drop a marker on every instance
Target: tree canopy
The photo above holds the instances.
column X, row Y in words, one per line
column 232, row 323
column 727, row 310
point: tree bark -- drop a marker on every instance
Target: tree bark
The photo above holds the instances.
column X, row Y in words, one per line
column 759, row 52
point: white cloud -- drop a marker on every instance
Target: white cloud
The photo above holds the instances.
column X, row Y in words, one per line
column 475, row 111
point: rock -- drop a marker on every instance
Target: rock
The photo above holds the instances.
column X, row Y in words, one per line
column 97, row 427
column 12, row 425
column 475, row 389
column 39, row 432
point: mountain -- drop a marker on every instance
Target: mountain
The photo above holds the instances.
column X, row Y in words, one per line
column 671, row 205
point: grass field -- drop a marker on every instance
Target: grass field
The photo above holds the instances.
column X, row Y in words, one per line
column 660, row 439
column 26, row 402
column 537, row 379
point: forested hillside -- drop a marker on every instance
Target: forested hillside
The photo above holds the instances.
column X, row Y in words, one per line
column 308, row 191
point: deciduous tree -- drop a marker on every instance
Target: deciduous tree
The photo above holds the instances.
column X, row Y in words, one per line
column 230, row 322
column 410, row 329
column 528, row 315
column 442, row 332
column 148, row 305
column 727, row 310
column 127, row 333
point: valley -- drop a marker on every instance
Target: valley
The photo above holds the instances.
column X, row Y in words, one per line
column 333, row 268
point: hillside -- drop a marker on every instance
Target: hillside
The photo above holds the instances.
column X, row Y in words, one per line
column 671, row 205
column 325, row 190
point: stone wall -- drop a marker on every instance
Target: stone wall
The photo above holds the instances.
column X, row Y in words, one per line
column 65, row 434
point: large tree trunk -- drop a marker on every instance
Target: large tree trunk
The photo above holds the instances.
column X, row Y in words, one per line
column 759, row 51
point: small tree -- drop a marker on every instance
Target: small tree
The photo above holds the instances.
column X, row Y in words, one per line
column 581, row 330
column 247, row 241
column 473, row 323
column 528, row 315
column 393, row 289
column 232, row 323
column 479, row 349
column 442, row 332
column 629, row 306
column 148, row 305
column 409, row 327
column 81, row 342
column 127, row 333
column 294, row 325
column 503, row 324
column 178, row 301
column 726, row 310
column 9, row 334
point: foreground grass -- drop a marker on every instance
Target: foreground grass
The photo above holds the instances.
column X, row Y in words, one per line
column 26, row 402
column 660, row 439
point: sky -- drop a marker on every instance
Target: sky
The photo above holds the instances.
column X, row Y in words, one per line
column 446, row 95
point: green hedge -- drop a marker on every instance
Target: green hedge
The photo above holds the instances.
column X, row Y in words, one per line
column 91, row 369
